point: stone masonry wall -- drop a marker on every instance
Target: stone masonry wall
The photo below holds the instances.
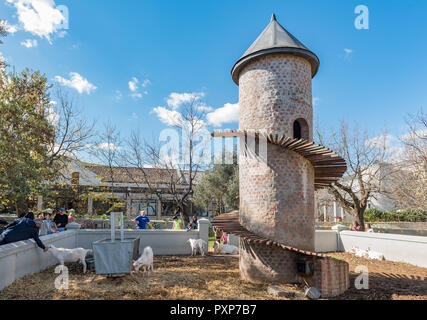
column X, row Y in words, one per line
column 274, row 91
column 331, row 277
column 277, row 199
column 260, row 263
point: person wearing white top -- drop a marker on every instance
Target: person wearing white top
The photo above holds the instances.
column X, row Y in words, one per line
column 368, row 228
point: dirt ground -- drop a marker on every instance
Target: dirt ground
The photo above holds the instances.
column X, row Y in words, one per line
column 209, row 277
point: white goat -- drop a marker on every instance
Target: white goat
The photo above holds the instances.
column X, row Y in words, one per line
column 359, row 252
column 145, row 260
column 225, row 248
column 375, row 255
column 70, row 255
column 369, row 254
column 197, row 244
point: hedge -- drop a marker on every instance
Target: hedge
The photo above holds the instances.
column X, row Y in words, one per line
column 375, row 215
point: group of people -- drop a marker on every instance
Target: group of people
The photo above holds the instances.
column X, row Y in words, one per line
column 27, row 227
column 142, row 221
column 356, row 227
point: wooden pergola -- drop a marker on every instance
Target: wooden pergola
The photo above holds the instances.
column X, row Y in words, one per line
column 229, row 222
column 328, row 166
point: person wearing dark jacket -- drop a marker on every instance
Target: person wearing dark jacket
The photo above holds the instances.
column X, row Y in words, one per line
column 61, row 219
column 22, row 229
column 2, row 223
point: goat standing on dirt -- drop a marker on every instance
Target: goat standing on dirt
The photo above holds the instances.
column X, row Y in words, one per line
column 145, row 260
column 70, row 255
column 197, row 244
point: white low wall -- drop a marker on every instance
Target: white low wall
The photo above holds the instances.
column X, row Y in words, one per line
column 326, row 241
column 25, row 257
column 394, row 247
column 163, row 242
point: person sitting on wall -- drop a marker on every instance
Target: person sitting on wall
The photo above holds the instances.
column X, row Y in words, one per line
column 142, row 221
column 177, row 222
column 193, row 225
column 368, row 227
column 48, row 226
column 224, row 238
column 355, row 226
column 61, row 219
column 22, row 229
column 71, row 218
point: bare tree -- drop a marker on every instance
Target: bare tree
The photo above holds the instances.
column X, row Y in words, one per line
column 72, row 130
column 170, row 175
column 107, row 152
column 410, row 189
column 366, row 171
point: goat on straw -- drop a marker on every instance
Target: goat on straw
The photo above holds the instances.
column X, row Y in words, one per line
column 70, row 255
column 197, row 244
column 145, row 261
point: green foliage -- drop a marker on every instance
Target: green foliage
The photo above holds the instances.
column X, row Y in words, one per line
column 25, row 134
column 375, row 215
column 211, row 232
column 156, row 225
column 219, row 185
column 117, row 207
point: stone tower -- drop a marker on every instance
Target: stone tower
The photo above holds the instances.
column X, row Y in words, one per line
column 275, row 94
column 274, row 78
column 278, row 178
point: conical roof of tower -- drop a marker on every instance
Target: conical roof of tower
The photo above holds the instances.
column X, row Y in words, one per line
column 275, row 39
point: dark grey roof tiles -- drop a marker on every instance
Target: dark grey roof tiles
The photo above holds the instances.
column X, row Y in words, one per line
column 275, row 39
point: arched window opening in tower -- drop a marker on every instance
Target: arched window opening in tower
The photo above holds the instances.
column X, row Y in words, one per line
column 300, row 129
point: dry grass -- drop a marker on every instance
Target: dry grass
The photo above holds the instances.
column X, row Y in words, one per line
column 174, row 277
column 209, row 277
column 387, row 280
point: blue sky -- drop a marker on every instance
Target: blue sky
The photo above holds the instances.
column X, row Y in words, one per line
column 374, row 76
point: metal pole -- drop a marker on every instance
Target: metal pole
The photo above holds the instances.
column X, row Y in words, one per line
column 112, row 223
column 121, row 227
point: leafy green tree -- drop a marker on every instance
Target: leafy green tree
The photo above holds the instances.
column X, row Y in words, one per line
column 219, row 185
column 25, row 137
column 3, row 33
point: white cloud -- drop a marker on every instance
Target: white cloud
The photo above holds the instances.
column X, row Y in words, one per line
column 107, row 146
column 175, row 100
column 394, row 148
column 315, row 101
column 134, row 116
column 133, row 84
column 348, row 52
column 119, row 95
column 169, row 117
column 52, row 116
column 8, row 27
column 145, row 83
column 226, row 114
column 39, row 17
column 417, row 134
column 204, row 108
column 29, row 43
column 136, row 95
column 77, row 82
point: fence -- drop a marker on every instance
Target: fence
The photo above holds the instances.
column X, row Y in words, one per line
column 21, row 258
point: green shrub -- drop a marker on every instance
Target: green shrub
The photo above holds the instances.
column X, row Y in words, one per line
column 375, row 215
